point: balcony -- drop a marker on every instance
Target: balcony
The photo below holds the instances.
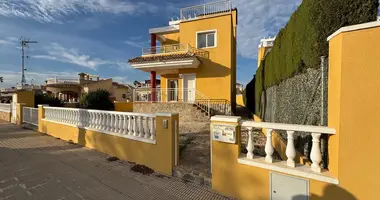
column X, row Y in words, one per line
column 195, row 12
column 51, row 81
column 168, row 58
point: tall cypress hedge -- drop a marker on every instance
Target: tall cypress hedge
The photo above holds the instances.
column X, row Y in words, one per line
column 300, row 44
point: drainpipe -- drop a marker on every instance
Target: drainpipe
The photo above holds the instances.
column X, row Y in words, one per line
column 324, row 137
column 323, row 63
column 153, row 73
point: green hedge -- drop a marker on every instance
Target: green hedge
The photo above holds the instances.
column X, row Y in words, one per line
column 300, row 44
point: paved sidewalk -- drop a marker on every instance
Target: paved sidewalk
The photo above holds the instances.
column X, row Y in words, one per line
column 33, row 166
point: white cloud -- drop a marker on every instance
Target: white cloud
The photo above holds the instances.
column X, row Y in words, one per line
column 121, row 79
column 138, row 44
column 258, row 19
column 59, row 53
column 8, row 41
column 53, row 11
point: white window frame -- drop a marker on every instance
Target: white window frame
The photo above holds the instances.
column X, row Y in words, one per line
column 207, row 31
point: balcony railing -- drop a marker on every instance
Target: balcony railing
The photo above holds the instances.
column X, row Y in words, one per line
column 186, row 95
column 193, row 12
column 63, row 81
column 174, row 48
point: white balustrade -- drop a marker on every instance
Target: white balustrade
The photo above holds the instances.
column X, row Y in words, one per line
column 136, row 125
column 30, row 115
column 315, row 131
column 5, row 107
column 250, row 146
column 290, row 149
column 269, row 150
column 316, row 156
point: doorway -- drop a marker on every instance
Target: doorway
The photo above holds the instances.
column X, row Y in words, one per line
column 172, row 90
column 189, row 88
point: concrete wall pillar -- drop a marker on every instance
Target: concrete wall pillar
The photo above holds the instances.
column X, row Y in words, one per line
column 19, row 111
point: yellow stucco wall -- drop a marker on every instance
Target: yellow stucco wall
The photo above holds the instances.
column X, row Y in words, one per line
column 102, row 84
column 213, row 76
column 216, row 76
column 171, row 38
column 260, row 57
column 5, row 116
column 124, row 106
column 26, row 97
column 118, row 93
column 239, row 100
column 247, row 182
column 354, row 93
column 160, row 156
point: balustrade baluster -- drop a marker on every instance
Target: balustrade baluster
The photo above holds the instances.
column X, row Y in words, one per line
column 152, row 130
column 97, row 120
column 146, row 128
column 135, row 126
column 269, row 150
column 125, row 124
column 89, row 120
column 116, row 124
column 121, row 124
column 250, row 146
column 104, row 118
column 66, row 116
column 93, row 118
column 290, row 149
column 111, row 124
column 70, row 119
column 130, row 130
column 316, row 156
column 141, row 128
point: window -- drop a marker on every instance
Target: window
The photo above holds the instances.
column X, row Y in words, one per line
column 206, row 39
column 124, row 96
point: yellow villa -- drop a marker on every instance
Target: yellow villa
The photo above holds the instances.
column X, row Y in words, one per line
column 196, row 59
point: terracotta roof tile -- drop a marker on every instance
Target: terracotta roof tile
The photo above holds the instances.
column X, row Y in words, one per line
column 160, row 58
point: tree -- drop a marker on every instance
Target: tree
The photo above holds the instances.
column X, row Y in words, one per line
column 40, row 98
column 98, row 100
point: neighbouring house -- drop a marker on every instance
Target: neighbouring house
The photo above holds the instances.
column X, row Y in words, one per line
column 265, row 47
column 239, row 88
column 196, row 59
column 69, row 90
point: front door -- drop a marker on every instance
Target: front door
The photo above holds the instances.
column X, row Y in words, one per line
column 172, row 90
column 189, row 88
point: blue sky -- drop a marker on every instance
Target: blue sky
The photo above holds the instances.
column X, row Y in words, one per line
column 99, row 36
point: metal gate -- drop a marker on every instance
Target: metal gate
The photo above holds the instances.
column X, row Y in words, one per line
column 14, row 108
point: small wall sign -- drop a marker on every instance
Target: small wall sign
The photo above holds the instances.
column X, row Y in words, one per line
column 224, row 133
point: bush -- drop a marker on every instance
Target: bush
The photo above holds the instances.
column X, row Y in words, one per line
column 98, row 100
column 40, row 98
column 300, row 44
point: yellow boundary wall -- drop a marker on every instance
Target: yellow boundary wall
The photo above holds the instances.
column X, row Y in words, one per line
column 123, row 106
column 161, row 156
column 5, row 116
column 242, row 181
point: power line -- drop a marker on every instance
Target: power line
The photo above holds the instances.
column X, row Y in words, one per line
column 24, row 44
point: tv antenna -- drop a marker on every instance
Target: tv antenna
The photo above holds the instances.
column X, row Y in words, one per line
column 24, row 44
